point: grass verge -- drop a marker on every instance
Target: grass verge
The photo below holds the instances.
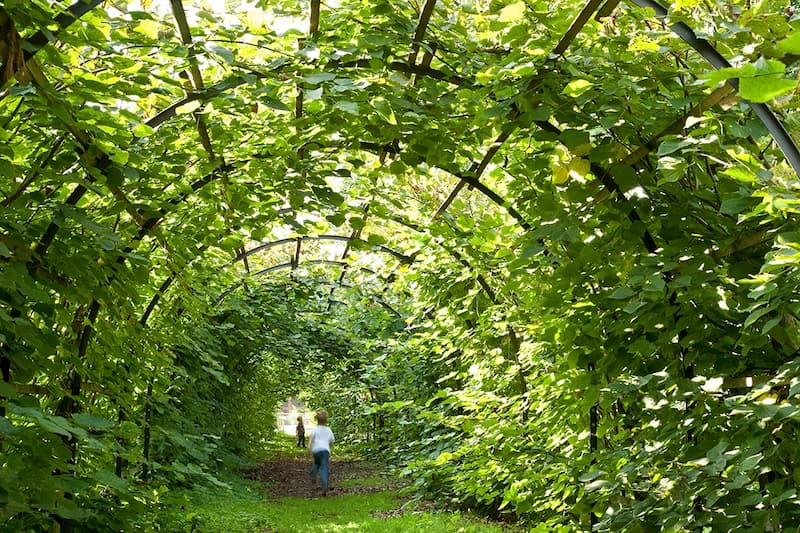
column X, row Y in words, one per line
column 245, row 506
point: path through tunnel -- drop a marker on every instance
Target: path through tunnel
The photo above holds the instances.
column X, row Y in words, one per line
column 543, row 254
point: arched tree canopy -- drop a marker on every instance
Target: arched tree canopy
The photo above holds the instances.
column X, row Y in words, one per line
column 561, row 235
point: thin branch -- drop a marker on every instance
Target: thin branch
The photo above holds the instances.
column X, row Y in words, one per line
column 34, row 172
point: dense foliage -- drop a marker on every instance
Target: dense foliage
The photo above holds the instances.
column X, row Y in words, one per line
column 550, row 272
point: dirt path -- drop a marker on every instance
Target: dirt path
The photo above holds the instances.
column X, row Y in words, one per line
column 289, row 477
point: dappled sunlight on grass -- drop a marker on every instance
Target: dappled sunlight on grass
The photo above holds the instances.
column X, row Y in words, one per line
column 362, row 500
column 246, row 508
column 280, row 446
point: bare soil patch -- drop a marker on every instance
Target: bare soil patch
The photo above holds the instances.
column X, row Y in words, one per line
column 290, row 477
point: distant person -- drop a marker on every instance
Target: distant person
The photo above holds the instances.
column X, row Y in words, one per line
column 320, row 447
column 300, row 432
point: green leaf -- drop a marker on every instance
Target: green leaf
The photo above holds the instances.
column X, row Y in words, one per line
column 622, row 293
column 671, row 169
column 328, row 196
column 337, row 219
column 574, row 138
column 119, row 156
column 598, row 484
column 149, row 28
column 633, row 306
column 143, row 130
column 531, row 250
column 110, row 479
column 741, row 174
column 512, row 12
column 347, row 107
column 224, row 53
column 22, row 89
column 188, row 107
column 716, row 452
column 275, row 104
column 667, row 147
column 758, row 82
column 318, row 77
column 577, row 87
column 92, row 421
column 765, row 82
column 589, row 476
column 114, row 176
column 771, row 323
column 6, row 427
column 735, row 205
column 376, row 240
column 716, row 76
column 755, row 315
column 231, row 243
column 384, row 110
column 625, row 176
column 791, row 44
column 53, row 424
column 397, row 167
column 313, row 94
column 68, row 509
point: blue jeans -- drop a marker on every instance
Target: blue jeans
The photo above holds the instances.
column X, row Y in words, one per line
column 321, row 465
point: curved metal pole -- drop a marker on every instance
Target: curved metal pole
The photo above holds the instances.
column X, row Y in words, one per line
column 40, row 39
column 405, row 259
column 282, row 266
column 710, row 54
column 316, row 262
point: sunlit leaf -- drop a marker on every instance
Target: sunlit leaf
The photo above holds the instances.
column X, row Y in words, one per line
column 512, row 12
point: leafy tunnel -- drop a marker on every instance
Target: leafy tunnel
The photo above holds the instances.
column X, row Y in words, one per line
column 541, row 253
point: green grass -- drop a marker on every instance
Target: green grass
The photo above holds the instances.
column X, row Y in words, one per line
column 245, row 507
column 363, row 513
column 372, row 481
column 280, row 446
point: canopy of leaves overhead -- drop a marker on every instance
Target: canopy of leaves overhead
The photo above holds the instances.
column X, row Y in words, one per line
column 542, row 254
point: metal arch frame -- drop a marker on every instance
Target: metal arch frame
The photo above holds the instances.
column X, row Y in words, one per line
column 685, row 33
column 763, row 112
column 405, row 259
column 167, row 283
column 289, row 265
column 295, row 260
column 229, row 84
column 776, row 129
column 710, row 54
column 767, row 117
column 481, row 280
column 170, row 111
column 225, row 85
column 274, row 268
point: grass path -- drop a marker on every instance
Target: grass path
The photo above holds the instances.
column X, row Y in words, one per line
column 278, row 497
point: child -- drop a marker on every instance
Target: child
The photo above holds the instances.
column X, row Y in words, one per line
column 300, row 432
column 320, row 447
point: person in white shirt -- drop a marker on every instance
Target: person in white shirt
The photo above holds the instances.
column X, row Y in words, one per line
column 320, row 447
